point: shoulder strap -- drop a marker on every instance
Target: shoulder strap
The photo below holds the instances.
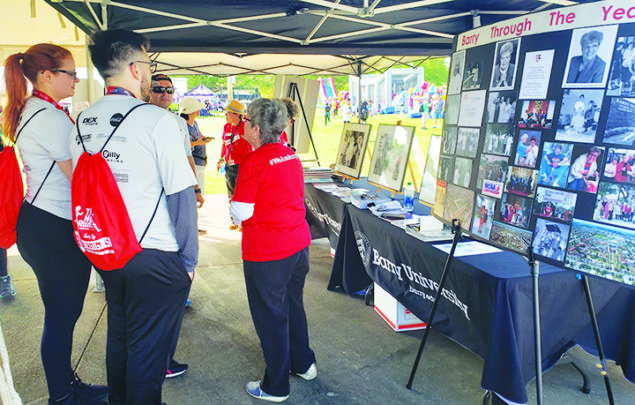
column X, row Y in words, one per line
column 15, row 143
column 42, row 184
column 152, row 217
column 26, row 123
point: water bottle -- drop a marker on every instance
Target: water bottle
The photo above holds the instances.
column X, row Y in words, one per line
column 409, row 197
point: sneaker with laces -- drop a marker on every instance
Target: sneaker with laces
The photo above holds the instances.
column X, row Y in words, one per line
column 176, row 369
column 6, row 288
column 75, row 398
column 310, row 374
column 93, row 391
column 253, row 389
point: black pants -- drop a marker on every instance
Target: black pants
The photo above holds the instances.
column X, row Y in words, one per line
column 3, row 262
column 274, row 290
column 146, row 300
column 46, row 243
column 231, row 174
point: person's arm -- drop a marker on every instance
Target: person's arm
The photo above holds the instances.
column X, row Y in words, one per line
column 66, row 166
column 241, row 211
column 182, row 211
column 200, row 200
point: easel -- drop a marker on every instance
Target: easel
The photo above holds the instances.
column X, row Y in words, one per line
column 293, row 92
column 456, row 230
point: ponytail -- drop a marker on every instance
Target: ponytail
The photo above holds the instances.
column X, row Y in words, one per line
column 22, row 66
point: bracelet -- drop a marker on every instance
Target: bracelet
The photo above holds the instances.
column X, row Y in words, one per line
column 197, row 190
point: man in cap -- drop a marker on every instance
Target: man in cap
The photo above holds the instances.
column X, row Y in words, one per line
column 234, row 148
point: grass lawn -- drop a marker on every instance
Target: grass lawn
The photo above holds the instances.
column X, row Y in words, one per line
column 327, row 140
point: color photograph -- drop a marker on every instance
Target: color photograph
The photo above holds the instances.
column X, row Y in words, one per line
column 521, row 181
column 620, row 165
column 446, row 168
column 584, row 173
column 350, row 155
column 550, row 203
column 467, row 142
column 537, row 114
column 590, row 51
column 483, row 216
column 501, row 106
column 439, row 198
column 458, row 204
column 622, row 76
column 602, row 251
column 462, row 172
column 620, row 124
column 527, row 148
column 550, row 239
column 390, row 156
column 615, row 204
column 448, row 144
column 499, row 139
column 456, row 72
column 493, row 168
column 514, row 210
column 579, row 115
column 554, row 164
column 505, row 65
column 510, row 237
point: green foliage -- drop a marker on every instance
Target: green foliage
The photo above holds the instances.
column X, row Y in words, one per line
column 436, row 71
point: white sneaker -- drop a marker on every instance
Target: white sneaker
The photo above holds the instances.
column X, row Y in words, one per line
column 253, row 389
column 310, row 374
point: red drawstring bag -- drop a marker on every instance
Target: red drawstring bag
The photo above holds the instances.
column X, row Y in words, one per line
column 11, row 195
column 101, row 224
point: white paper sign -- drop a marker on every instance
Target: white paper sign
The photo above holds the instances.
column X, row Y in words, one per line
column 536, row 74
column 472, row 107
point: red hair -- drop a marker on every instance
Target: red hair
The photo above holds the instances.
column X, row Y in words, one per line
column 21, row 66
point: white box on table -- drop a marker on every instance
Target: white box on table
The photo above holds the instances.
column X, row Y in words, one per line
column 396, row 315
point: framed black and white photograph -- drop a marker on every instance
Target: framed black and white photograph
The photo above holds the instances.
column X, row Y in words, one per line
column 505, row 65
column 462, row 172
column 473, row 75
column 492, row 168
column 579, row 115
column 501, row 107
column 448, row 145
column 351, row 152
column 456, row 72
column 467, row 142
column 452, row 104
column 390, row 156
column 499, row 139
column 590, row 52
column 446, row 168
column 622, row 76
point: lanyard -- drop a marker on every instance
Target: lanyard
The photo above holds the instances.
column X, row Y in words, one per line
column 119, row 90
column 43, row 96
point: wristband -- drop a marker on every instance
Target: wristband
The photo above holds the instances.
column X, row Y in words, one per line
column 197, row 190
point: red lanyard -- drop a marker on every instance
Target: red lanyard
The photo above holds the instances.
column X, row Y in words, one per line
column 118, row 90
column 43, row 96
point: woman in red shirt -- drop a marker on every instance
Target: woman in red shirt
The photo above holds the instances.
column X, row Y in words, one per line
column 269, row 204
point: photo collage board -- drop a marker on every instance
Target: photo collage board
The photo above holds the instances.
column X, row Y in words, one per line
column 541, row 151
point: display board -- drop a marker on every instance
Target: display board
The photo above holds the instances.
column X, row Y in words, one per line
column 352, row 149
column 390, row 156
column 309, row 92
column 539, row 146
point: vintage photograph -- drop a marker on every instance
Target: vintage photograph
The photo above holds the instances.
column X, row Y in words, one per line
column 352, row 149
column 550, row 239
column 554, row 164
column 620, row 124
column 483, row 216
column 452, row 104
column 550, row 203
column 499, row 139
column 615, row 204
column 527, row 148
column 458, row 204
column 505, row 65
column 462, row 172
column 501, row 106
column 456, row 72
column 601, row 250
column 620, row 165
column 590, row 51
column 493, row 168
column 622, row 76
column 446, row 168
column 448, row 144
column 584, row 173
column 467, row 142
column 439, row 199
column 514, row 210
column 390, row 156
column 473, row 75
column 429, row 176
column 579, row 115
column 471, row 109
column 537, row 114
column 510, row 237
column 521, row 181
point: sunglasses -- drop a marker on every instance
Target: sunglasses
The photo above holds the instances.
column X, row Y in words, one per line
column 161, row 89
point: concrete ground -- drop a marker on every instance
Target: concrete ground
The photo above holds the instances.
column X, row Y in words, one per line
column 360, row 359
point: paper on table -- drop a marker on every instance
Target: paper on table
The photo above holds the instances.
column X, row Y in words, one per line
column 470, row 248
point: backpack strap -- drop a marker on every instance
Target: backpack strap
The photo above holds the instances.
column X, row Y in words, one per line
column 152, row 217
column 42, row 184
column 15, row 142
column 81, row 139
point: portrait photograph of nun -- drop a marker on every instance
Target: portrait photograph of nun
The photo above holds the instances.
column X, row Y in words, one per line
column 505, row 64
column 456, row 72
column 590, row 53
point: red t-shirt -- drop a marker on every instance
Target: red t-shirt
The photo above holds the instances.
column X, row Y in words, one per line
column 234, row 152
column 284, row 139
column 272, row 179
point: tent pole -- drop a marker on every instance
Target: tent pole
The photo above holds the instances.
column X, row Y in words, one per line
column 359, row 89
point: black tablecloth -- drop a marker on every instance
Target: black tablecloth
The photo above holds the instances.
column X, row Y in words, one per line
column 487, row 303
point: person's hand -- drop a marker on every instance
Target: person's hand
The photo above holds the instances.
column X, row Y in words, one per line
column 191, row 274
column 200, row 200
column 219, row 163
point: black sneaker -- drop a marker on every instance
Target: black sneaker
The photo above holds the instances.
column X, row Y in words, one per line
column 94, row 391
column 75, row 398
column 176, row 369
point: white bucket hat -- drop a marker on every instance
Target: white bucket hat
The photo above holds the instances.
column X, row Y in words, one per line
column 189, row 105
